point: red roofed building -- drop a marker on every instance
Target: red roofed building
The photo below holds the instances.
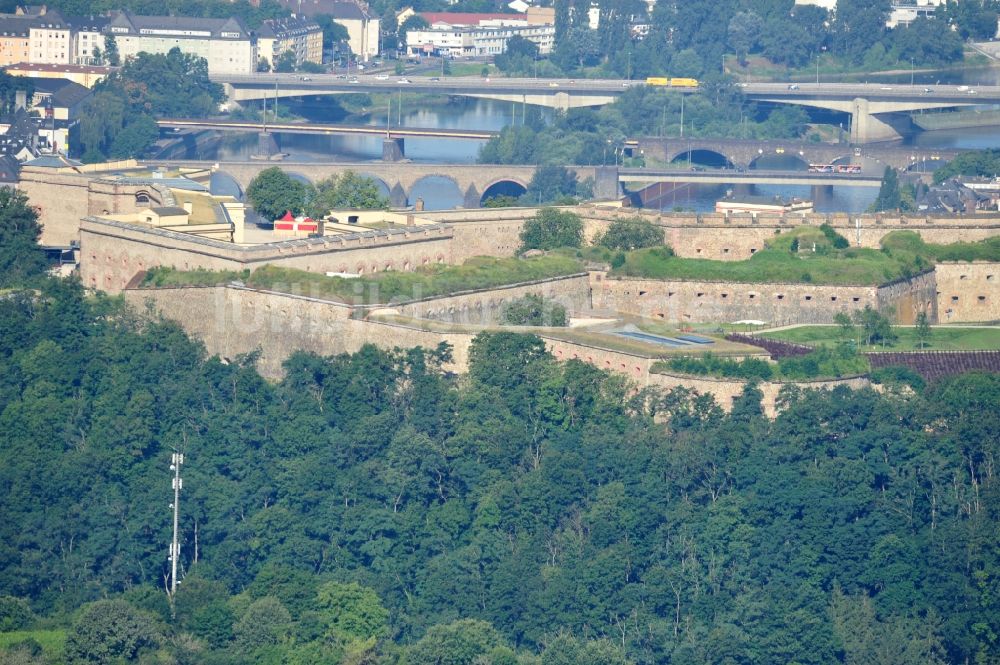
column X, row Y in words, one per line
column 289, row 225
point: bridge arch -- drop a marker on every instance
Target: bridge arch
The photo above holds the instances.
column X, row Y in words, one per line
column 295, row 175
column 222, row 183
column 703, row 157
column 783, row 161
column 439, row 192
column 926, row 164
column 503, row 187
column 383, row 186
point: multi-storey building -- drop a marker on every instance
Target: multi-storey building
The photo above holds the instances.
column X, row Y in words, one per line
column 459, row 35
column 301, row 36
column 14, row 40
column 362, row 27
column 50, row 39
column 226, row 44
column 88, row 38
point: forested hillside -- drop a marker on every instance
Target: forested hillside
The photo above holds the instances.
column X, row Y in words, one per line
column 374, row 509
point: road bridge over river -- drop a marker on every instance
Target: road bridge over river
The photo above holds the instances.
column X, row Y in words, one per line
column 878, row 112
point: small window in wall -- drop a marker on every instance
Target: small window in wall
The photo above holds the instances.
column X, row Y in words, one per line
column 352, row 219
column 670, row 294
column 725, row 295
column 809, row 297
column 833, row 298
column 954, row 298
column 725, row 250
column 642, row 293
column 751, row 296
column 753, row 250
column 142, row 198
column 781, row 296
column 963, row 277
column 855, row 299
column 701, row 293
column 698, row 251
column 989, row 278
column 982, row 299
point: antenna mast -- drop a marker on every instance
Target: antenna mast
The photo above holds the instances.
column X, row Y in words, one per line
column 176, row 460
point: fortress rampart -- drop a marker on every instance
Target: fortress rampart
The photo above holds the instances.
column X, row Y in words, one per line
column 689, row 301
column 968, row 292
column 233, row 320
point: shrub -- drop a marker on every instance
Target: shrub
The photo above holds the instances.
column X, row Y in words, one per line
column 632, row 233
column 551, row 228
column 533, row 310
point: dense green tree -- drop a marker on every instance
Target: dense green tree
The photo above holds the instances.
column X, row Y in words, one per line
column 109, row 631
column 285, row 63
column 631, row 233
column 533, row 310
column 459, row 643
column 264, row 623
column 15, row 614
column 889, row 197
column 552, row 184
column 272, row 192
column 551, row 228
column 21, row 259
column 347, row 190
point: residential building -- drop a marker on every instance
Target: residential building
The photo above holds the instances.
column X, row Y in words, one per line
column 457, row 34
column 302, row 36
column 14, row 39
column 60, row 104
column 362, row 27
column 88, row 38
column 226, row 44
column 85, row 75
column 51, row 39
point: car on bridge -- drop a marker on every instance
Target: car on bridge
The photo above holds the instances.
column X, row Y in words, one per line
column 793, row 86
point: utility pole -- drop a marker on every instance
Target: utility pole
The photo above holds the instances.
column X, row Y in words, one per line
column 176, row 460
column 682, row 115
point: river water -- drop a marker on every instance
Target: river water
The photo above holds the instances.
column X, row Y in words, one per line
column 463, row 113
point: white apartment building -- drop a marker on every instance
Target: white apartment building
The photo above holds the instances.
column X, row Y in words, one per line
column 88, row 34
column 301, row 36
column 489, row 37
column 50, row 40
column 226, row 44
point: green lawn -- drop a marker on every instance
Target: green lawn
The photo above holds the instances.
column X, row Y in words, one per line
column 383, row 287
column 943, row 338
column 52, row 641
column 808, row 255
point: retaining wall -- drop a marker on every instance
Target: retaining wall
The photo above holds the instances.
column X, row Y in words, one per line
column 968, row 292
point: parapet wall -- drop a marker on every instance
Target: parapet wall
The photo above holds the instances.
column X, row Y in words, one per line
column 679, row 301
column 113, row 252
column 482, row 307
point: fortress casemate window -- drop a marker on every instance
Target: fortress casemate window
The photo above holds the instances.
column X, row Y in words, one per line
column 809, row 297
column 989, row 278
column 780, row 296
column 954, row 298
column 833, row 298
column 982, row 299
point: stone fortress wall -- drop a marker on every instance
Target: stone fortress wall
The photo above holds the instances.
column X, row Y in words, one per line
column 234, row 320
column 686, row 301
column 968, row 292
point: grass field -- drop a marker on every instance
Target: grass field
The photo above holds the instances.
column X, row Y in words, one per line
column 383, row 287
column 943, row 338
column 807, row 255
column 52, row 641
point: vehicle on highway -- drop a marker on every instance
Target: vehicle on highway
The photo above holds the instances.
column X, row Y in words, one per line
column 885, row 87
column 674, row 82
column 404, row 80
column 382, row 77
column 354, row 79
column 793, row 87
column 553, row 84
column 927, row 90
column 305, row 78
column 435, row 78
column 972, row 91
column 963, row 88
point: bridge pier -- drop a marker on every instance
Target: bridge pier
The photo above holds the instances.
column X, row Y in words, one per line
column 867, row 127
column 744, row 189
column 393, row 149
column 266, row 145
column 606, row 184
column 472, row 198
column 821, row 193
column 397, row 196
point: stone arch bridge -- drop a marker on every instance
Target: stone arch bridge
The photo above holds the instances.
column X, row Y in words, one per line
column 472, row 180
column 740, row 153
